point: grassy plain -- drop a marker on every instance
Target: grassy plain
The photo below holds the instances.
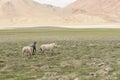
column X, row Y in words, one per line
column 85, row 54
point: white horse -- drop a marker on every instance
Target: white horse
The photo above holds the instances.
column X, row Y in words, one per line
column 27, row 51
column 48, row 47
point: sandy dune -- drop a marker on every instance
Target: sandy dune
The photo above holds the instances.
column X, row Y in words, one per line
column 27, row 13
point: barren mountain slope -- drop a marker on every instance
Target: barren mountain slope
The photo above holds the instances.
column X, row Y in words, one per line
column 107, row 9
column 27, row 13
column 17, row 8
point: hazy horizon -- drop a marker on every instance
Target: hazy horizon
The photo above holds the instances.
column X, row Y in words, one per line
column 60, row 3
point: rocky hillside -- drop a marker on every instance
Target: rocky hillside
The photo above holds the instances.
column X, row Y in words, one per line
column 106, row 9
column 27, row 13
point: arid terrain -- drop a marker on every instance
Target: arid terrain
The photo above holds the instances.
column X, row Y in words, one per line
column 27, row 13
column 87, row 33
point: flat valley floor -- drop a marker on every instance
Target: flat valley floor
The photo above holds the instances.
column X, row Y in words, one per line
column 84, row 54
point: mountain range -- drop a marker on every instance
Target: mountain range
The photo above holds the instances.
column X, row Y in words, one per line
column 28, row 13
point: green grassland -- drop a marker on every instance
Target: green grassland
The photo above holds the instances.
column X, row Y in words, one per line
column 84, row 54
